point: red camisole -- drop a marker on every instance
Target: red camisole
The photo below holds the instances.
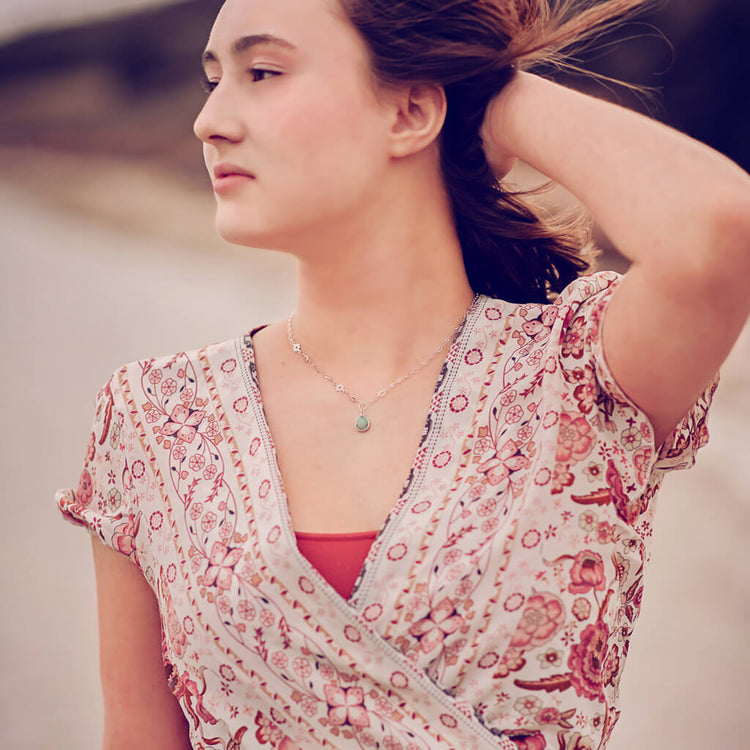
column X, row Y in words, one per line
column 337, row 557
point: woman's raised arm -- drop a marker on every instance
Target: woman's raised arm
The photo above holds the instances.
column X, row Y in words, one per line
column 139, row 709
column 674, row 207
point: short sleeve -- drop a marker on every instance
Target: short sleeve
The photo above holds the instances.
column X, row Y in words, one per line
column 105, row 501
column 634, row 464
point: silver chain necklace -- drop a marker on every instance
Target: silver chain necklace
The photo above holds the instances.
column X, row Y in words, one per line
column 362, row 423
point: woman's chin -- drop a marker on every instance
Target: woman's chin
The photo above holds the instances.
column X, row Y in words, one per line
column 238, row 232
column 241, row 233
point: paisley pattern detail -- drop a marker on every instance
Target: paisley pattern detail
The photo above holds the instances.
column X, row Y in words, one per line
column 494, row 608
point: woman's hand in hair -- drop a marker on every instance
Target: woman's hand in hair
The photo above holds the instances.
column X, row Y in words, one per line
column 678, row 210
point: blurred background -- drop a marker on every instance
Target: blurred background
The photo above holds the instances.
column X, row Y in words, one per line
column 109, row 255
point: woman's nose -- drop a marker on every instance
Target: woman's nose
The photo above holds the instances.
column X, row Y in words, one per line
column 218, row 119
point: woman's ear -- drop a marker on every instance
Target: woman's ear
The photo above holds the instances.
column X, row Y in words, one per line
column 419, row 113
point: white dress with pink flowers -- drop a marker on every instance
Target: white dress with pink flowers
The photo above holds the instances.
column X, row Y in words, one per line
column 495, row 606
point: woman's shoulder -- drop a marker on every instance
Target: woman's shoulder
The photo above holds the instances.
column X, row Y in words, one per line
column 165, row 374
column 580, row 305
column 586, row 288
column 589, row 285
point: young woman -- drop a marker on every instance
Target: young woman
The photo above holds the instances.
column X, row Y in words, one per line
column 415, row 514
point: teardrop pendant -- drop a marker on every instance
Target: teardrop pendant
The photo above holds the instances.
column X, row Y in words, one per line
column 362, row 424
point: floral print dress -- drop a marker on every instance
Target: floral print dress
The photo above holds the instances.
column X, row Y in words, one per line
column 493, row 610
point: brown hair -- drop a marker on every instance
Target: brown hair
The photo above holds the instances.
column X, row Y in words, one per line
column 512, row 249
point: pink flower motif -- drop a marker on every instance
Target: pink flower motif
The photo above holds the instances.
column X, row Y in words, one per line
column 442, row 620
column 302, row 667
column 576, row 741
column 527, row 739
column 587, row 573
column 572, row 345
column 611, row 667
column 489, row 525
column 85, row 490
column 482, row 445
column 267, row 618
column 548, row 715
column 221, row 568
column 604, row 533
column 309, row 705
column 487, row 507
column 211, row 428
column 549, row 315
column 535, row 329
column 280, row 659
column 562, row 477
column 535, row 358
column 631, row 438
column 511, row 661
column 593, row 471
column 527, row 705
column 209, row 521
column 574, row 441
column 183, row 422
column 169, row 386
column 525, row 433
column 153, row 415
column 267, row 732
column 345, row 706
column 185, row 689
column 196, row 462
column 642, row 461
column 90, row 449
column 542, row 617
column 506, row 460
column 588, row 520
column 581, row 609
column 550, row 658
column 587, row 659
column 585, row 392
column 508, row 397
column 124, row 537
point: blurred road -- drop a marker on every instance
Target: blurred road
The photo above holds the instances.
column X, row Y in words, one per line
column 103, row 263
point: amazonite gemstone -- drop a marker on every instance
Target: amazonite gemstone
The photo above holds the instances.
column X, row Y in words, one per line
column 362, row 424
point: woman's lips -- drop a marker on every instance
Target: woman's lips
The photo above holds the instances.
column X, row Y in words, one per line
column 230, row 181
column 229, row 176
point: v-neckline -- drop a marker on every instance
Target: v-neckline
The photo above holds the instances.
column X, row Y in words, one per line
column 430, row 432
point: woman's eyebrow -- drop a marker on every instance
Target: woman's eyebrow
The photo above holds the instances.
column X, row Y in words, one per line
column 245, row 43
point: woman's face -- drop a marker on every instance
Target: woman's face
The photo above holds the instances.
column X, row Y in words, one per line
column 294, row 137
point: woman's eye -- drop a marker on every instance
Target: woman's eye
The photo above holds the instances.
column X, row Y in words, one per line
column 206, row 85
column 257, row 75
column 261, row 74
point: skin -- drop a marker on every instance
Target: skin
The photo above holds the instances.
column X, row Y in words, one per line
column 346, row 177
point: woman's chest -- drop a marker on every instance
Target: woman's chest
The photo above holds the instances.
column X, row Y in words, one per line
column 336, row 479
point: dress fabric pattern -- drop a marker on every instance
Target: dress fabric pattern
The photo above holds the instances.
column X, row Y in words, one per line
column 495, row 606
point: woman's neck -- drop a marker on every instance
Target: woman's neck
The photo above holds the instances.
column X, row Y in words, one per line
column 388, row 297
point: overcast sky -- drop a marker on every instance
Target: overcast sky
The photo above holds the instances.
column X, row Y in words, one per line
column 20, row 16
